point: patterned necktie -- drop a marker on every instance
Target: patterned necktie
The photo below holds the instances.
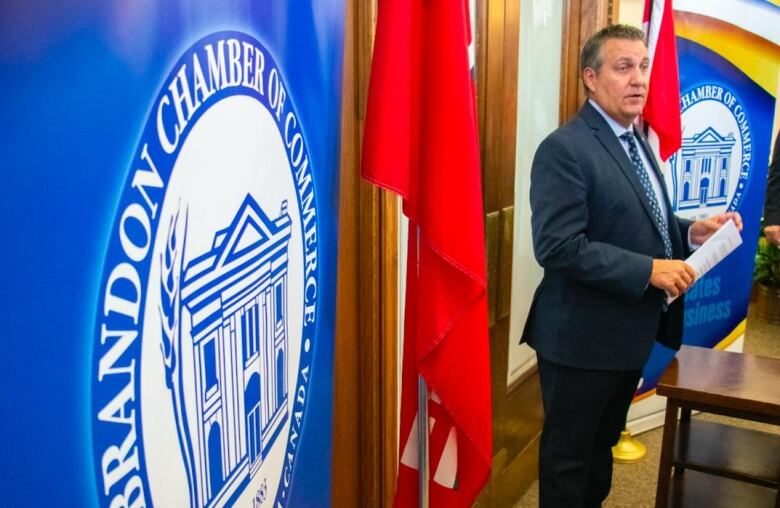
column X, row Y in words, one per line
column 658, row 218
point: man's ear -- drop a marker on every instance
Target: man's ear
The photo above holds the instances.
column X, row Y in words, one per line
column 588, row 76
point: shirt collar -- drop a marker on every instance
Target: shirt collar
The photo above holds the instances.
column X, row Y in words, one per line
column 616, row 127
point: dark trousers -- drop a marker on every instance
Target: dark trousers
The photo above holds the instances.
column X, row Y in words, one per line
column 584, row 413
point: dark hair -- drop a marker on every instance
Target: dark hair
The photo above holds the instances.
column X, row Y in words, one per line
column 591, row 55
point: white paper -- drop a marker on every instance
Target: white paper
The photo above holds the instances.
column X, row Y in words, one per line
column 713, row 251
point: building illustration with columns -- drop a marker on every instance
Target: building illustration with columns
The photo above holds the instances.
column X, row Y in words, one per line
column 234, row 348
column 701, row 168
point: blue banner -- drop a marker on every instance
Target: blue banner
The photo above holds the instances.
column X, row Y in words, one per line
column 727, row 107
column 169, row 178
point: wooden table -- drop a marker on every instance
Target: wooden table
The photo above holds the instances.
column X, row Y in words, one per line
column 716, row 464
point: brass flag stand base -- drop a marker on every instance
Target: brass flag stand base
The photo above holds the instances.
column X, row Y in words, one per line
column 628, row 450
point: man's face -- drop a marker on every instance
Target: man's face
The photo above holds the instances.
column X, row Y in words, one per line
column 620, row 85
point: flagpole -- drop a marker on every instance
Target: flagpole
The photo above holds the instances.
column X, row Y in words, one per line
column 422, row 416
column 422, row 440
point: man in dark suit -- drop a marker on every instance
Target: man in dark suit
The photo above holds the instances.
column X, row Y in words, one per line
column 611, row 249
column 772, row 203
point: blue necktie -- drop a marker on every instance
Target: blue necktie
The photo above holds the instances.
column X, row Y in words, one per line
column 658, row 218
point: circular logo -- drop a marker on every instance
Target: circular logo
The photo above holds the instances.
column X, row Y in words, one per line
column 207, row 308
column 711, row 170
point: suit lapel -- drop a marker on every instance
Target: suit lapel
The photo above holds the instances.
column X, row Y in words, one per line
column 612, row 145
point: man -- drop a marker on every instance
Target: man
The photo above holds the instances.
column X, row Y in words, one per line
column 604, row 232
column 772, row 203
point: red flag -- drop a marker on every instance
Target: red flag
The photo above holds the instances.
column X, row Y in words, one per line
column 421, row 142
column 662, row 110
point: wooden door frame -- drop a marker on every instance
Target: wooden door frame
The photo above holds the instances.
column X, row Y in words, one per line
column 582, row 18
column 366, row 353
column 497, row 65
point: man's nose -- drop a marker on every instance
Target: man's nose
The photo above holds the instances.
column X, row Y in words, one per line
column 639, row 77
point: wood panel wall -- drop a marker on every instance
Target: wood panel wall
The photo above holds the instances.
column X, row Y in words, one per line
column 582, row 18
column 364, row 426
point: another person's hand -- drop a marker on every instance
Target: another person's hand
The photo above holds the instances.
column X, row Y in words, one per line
column 772, row 234
column 701, row 230
column 672, row 275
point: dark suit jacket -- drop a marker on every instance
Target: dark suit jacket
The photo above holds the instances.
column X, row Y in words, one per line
column 594, row 235
column 772, row 204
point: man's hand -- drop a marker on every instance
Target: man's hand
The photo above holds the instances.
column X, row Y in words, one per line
column 672, row 275
column 701, row 230
column 772, row 234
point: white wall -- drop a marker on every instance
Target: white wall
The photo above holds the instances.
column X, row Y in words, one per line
column 538, row 91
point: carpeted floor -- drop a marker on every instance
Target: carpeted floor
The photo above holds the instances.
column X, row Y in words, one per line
column 633, row 485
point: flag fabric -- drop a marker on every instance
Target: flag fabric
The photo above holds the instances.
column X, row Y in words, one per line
column 661, row 114
column 421, row 142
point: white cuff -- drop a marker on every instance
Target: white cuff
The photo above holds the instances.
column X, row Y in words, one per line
column 691, row 245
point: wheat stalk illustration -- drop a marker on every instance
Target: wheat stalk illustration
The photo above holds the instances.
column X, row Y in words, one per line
column 171, row 269
column 169, row 301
